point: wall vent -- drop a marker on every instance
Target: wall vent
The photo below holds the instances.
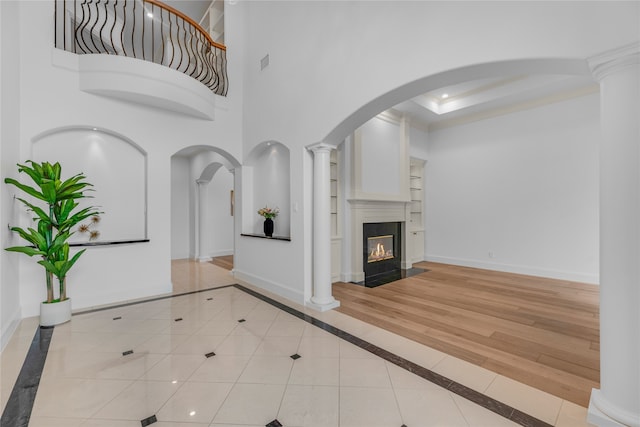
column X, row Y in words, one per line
column 264, row 62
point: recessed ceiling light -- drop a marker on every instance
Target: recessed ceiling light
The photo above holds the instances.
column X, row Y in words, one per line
column 445, row 95
column 192, row 413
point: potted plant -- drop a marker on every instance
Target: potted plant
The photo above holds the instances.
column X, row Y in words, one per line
column 49, row 240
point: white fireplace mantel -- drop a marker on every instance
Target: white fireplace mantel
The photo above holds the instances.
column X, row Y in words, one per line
column 367, row 211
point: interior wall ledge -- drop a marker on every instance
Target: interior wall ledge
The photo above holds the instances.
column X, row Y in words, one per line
column 377, row 201
column 140, row 82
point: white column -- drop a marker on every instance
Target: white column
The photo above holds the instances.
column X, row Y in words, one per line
column 617, row 402
column 322, row 299
column 203, row 229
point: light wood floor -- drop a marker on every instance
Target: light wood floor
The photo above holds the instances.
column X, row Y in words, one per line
column 225, row 261
column 541, row 332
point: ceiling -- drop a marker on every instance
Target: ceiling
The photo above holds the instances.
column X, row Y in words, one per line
column 194, row 9
column 483, row 98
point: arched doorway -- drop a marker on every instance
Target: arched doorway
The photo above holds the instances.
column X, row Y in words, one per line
column 453, row 161
column 203, row 219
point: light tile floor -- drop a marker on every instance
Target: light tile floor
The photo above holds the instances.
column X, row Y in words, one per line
column 251, row 380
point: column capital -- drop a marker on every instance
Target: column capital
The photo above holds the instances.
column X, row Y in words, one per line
column 605, row 63
column 321, row 147
column 202, row 181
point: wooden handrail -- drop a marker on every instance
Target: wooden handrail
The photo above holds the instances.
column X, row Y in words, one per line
column 189, row 20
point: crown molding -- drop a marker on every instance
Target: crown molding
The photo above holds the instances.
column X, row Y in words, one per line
column 606, row 63
column 535, row 103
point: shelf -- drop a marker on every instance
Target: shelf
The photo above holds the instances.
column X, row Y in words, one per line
column 108, row 243
column 262, row 236
column 416, row 184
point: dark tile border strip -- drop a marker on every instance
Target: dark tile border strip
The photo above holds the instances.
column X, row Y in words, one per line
column 17, row 412
column 474, row 396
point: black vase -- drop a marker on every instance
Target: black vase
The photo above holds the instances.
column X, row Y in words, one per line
column 268, row 227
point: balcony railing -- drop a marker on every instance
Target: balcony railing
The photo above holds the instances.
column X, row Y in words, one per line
column 143, row 29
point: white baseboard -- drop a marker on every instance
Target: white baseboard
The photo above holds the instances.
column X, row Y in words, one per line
column 9, row 328
column 85, row 302
column 517, row 269
column 352, row 277
column 222, row 252
column 276, row 288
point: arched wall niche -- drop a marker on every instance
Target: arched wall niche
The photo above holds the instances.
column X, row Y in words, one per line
column 114, row 164
column 267, row 170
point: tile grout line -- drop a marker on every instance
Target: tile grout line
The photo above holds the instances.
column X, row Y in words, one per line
column 17, row 411
column 470, row 394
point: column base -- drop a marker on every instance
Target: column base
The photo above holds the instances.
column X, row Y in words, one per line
column 596, row 416
column 323, row 307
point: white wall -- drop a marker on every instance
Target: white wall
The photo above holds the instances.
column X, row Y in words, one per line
column 50, row 99
column 339, row 70
column 518, row 192
column 10, row 312
column 220, row 240
column 381, row 157
column 181, row 208
column 117, row 171
column 339, row 59
column 418, row 142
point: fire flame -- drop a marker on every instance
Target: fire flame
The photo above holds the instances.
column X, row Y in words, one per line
column 378, row 251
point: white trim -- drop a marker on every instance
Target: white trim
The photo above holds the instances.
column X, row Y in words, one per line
column 517, row 269
column 107, row 299
column 278, row 289
column 322, row 307
column 9, row 328
column 603, row 414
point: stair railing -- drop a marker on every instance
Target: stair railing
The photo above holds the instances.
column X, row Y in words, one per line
column 144, row 29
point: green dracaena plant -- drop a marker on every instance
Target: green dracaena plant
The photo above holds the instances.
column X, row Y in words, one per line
column 49, row 240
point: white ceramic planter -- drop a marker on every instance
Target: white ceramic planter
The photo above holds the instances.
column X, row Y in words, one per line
column 55, row 313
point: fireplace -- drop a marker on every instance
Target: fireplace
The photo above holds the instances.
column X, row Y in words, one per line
column 382, row 255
